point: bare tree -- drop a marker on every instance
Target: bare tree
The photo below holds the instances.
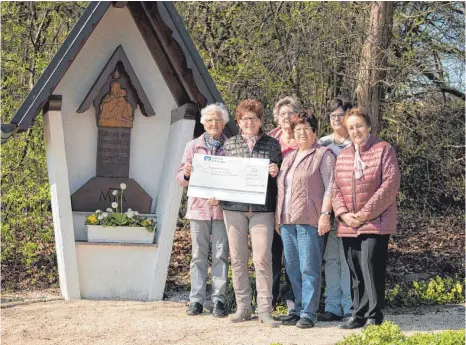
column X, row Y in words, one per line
column 372, row 69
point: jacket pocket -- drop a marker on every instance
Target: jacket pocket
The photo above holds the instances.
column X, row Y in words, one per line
column 193, row 203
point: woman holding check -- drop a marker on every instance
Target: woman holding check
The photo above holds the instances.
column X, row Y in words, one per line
column 258, row 220
column 206, row 217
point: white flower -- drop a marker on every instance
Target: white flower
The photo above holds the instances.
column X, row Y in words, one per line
column 100, row 217
column 123, row 186
column 115, row 192
column 109, row 210
column 129, row 210
column 130, row 214
column 98, row 211
column 105, row 214
column 136, row 213
column 114, row 205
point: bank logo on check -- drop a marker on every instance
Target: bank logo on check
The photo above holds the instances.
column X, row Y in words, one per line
column 207, row 158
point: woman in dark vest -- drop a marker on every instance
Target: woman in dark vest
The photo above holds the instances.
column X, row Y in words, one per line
column 258, row 220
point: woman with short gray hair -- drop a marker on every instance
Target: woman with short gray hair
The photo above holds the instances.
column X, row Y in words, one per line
column 216, row 108
column 206, row 216
column 285, row 115
column 286, row 107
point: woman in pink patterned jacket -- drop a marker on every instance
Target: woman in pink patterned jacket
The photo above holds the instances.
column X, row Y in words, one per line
column 367, row 180
column 206, row 217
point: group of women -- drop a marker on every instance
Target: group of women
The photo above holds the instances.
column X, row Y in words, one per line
column 332, row 199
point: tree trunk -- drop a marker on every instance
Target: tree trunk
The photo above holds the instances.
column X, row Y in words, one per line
column 372, row 69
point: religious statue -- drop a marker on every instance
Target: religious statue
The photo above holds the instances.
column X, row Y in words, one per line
column 115, row 110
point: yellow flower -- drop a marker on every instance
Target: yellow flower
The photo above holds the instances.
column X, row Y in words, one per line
column 146, row 222
column 92, row 219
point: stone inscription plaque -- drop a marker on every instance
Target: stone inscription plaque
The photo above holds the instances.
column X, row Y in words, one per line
column 97, row 194
column 113, row 148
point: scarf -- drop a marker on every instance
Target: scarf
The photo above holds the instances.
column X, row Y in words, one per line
column 213, row 145
column 250, row 140
column 359, row 165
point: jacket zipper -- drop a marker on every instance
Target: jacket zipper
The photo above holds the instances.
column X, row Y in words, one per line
column 353, row 192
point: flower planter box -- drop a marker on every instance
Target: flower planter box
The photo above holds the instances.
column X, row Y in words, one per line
column 119, row 234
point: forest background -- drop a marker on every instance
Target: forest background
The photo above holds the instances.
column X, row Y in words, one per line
column 265, row 50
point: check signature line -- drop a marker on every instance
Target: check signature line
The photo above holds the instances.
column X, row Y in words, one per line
column 229, row 190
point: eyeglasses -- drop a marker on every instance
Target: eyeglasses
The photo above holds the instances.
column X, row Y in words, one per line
column 290, row 113
column 302, row 129
column 250, row 119
column 212, row 121
column 337, row 116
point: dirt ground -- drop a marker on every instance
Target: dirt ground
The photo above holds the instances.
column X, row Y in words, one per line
column 30, row 320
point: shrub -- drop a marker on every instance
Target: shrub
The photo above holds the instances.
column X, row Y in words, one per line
column 436, row 291
column 440, row 291
column 389, row 333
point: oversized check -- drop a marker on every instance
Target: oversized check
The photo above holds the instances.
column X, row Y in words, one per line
column 229, row 178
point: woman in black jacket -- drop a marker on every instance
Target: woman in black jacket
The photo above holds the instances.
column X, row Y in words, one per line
column 258, row 220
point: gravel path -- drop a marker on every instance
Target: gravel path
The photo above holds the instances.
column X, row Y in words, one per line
column 128, row 322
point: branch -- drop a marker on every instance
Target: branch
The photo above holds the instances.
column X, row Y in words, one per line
column 443, row 87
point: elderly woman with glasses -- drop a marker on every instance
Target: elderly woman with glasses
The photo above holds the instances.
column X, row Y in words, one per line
column 337, row 293
column 367, row 180
column 242, row 219
column 206, row 217
column 304, row 204
column 285, row 113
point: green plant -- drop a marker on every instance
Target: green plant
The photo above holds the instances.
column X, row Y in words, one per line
column 439, row 290
column 389, row 333
column 117, row 217
column 280, row 309
column 435, row 291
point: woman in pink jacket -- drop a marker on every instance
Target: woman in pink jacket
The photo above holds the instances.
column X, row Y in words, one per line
column 206, row 217
column 367, row 180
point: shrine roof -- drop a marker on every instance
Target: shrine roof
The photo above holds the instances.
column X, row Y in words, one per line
column 167, row 39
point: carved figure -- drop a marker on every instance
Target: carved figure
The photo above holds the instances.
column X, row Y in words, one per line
column 115, row 110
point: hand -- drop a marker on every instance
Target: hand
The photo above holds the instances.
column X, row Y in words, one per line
column 359, row 217
column 324, row 224
column 350, row 220
column 213, row 202
column 187, row 169
column 273, row 170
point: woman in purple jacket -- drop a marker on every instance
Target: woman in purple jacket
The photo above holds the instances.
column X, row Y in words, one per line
column 304, row 204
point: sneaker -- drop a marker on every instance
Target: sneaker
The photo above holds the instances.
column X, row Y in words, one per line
column 328, row 316
column 194, row 309
column 290, row 320
column 305, row 322
column 351, row 323
column 219, row 309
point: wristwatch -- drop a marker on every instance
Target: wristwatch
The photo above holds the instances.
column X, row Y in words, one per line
column 325, row 212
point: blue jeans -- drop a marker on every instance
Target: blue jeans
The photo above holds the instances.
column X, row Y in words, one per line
column 337, row 277
column 303, row 260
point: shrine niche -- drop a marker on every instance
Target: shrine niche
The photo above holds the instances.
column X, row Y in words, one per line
column 115, row 96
